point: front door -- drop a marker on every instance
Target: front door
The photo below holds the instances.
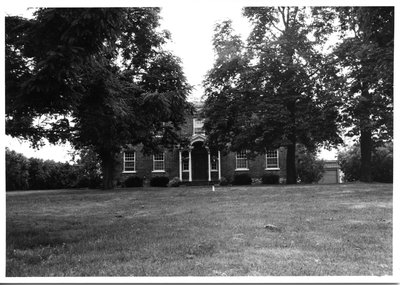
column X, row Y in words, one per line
column 199, row 162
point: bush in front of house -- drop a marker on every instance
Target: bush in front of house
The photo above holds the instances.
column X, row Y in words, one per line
column 134, row 181
column 269, row 178
column 223, row 181
column 175, row 182
column 242, row 179
column 159, row 181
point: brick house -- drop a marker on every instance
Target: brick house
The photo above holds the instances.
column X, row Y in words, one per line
column 197, row 163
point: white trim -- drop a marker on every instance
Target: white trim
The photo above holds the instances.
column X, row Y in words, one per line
column 190, row 165
column 219, row 165
column 242, row 169
column 180, row 165
column 158, row 171
column 209, row 164
column 277, row 160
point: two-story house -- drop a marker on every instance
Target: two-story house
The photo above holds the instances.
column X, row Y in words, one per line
column 198, row 163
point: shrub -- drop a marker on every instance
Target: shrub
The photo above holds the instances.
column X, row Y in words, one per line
column 381, row 163
column 159, row 181
column 17, row 174
column 269, row 178
column 223, row 181
column 175, row 182
column 134, row 181
column 242, row 179
column 309, row 169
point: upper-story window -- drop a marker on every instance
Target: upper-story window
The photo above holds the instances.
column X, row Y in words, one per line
column 198, row 126
column 272, row 159
column 129, row 161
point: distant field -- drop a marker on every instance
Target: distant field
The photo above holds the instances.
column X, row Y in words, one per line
column 192, row 231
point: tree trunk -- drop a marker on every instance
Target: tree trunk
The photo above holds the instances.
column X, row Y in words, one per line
column 366, row 153
column 291, row 176
column 365, row 135
column 108, row 165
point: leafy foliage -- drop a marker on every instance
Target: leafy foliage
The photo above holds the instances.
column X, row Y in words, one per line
column 37, row 174
column 382, row 163
column 269, row 178
column 223, row 181
column 366, row 54
column 242, row 179
column 96, row 77
column 175, row 182
column 309, row 168
column 274, row 92
column 17, row 173
column 134, row 181
column 159, row 181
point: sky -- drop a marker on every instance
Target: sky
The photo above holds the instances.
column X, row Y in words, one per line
column 191, row 24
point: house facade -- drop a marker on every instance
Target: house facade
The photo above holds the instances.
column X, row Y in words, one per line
column 197, row 162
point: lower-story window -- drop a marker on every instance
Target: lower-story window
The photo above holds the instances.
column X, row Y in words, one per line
column 129, row 161
column 158, row 162
column 272, row 159
column 241, row 160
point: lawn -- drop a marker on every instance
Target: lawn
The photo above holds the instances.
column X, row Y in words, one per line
column 191, row 231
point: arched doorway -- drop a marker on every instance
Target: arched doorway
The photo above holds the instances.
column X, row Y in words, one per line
column 199, row 162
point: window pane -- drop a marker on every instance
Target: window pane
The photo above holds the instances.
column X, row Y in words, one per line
column 198, row 126
column 272, row 159
column 129, row 161
column 158, row 161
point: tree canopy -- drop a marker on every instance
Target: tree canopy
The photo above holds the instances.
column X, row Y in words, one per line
column 96, row 77
column 366, row 56
column 273, row 91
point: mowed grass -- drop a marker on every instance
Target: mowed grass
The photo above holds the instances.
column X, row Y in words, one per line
column 191, row 231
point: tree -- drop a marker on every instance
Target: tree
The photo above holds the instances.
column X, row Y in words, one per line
column 272, row 93
column 309, row 169
column 366, row 55
column 96, row 77
column 382, row 163
column 17, row 174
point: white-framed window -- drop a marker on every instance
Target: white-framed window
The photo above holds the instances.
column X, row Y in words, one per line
column 129, row 162
column 272, row 159
column 185, row 161
column 158, row 162
column 214, row 163
column 198, row 126
column 241, row 160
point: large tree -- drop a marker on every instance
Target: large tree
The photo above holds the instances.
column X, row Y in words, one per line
column 96, row 77
column 274, row 91
column 366, row 55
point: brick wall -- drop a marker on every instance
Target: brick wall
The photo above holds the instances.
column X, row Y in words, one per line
column 144, row 163
column 256, row 166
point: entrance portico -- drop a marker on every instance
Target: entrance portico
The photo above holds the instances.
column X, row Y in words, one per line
column 196, row 160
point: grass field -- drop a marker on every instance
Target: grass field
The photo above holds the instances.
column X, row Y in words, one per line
column 191, row 231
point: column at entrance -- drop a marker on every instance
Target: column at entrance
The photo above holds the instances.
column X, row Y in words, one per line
column 190, row 165
column 209, row 164
column 219, row 165
column 180, row 165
